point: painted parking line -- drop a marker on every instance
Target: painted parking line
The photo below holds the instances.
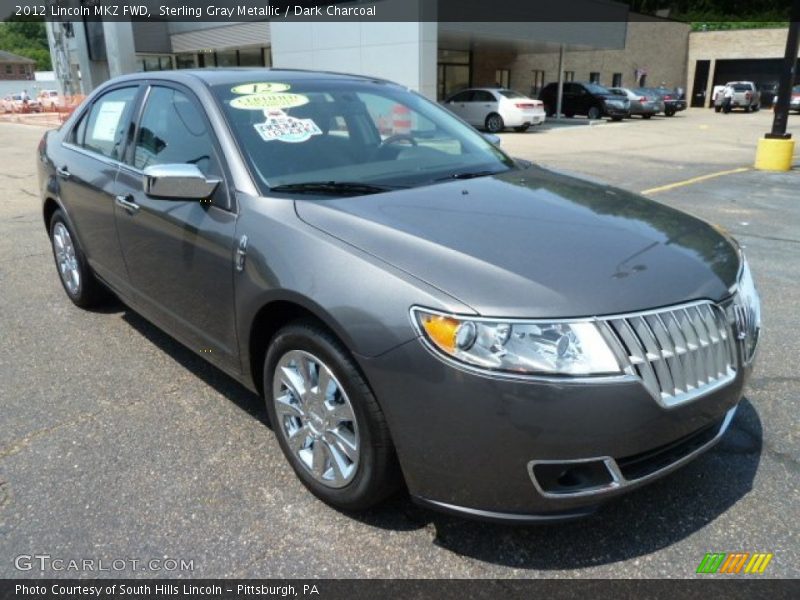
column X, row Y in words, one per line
column 677, row 184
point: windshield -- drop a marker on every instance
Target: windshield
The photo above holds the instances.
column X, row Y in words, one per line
column 596, row 89
column 358, row 132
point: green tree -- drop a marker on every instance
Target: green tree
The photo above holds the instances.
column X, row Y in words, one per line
column 26, row 38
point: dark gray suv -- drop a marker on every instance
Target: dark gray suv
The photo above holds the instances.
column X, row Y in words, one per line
column 414, row 305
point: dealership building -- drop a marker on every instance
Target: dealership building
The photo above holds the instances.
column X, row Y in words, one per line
column 434, row 58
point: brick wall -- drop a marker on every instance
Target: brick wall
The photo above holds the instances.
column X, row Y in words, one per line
column 738, row 43
column 659, row 48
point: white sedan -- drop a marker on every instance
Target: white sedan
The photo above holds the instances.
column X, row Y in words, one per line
column 494, row 109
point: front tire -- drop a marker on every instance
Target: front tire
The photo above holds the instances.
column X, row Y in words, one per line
column 76, row 275
column 494, row 123
column 594, row 113
column 327, row 420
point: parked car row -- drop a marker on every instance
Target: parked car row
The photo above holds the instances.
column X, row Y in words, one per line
column 496, row 109
column 16, row 103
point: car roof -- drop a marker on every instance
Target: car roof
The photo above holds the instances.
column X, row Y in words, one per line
column 229, row 76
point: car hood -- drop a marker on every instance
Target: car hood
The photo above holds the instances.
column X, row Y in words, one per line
column 536, row 243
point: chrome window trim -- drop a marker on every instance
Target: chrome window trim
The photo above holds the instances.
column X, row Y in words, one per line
column 618, row 479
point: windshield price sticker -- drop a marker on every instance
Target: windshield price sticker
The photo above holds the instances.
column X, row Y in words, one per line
column 283, row 128
column 260, row 88
column 267, row 101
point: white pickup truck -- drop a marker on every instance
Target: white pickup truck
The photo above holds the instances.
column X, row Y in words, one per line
column 745, row 95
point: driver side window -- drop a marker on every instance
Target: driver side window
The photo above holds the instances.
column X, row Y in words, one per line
column 173, row 131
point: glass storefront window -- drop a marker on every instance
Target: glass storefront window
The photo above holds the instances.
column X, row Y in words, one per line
column 185, row 61
column 226, row 58
column 251, row 57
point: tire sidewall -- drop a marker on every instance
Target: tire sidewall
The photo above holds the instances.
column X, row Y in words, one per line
column 298, row 337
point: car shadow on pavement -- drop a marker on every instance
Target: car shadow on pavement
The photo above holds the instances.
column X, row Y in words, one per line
column 223, row 384
column 644, row 521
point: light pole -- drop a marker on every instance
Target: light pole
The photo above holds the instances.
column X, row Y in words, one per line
column 776, row 149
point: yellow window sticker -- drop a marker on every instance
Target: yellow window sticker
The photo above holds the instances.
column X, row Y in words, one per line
column 267, row 101
column 260, row 88
column 283, row 128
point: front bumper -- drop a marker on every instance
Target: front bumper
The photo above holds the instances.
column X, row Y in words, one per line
column 467, row 443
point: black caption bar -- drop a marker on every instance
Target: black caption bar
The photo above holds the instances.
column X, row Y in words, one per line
column 315, row 10
column 372, row 10
column 405, row 589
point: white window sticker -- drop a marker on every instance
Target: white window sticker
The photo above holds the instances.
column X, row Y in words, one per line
column 267, row 101
column 260, row 88
column 283, row 128
column 107, row 122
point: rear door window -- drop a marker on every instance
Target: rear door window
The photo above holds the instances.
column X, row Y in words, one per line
column 102, row 129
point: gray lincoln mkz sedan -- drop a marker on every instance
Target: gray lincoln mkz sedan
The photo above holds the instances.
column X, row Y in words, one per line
column 415, row 306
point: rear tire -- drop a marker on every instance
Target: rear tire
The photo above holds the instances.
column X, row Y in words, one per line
column 594, row 113
column 75, row 274
column 494, row 123
column 670, row 112
column 340, row 481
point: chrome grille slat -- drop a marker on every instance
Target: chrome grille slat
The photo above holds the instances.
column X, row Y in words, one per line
column 678, row 353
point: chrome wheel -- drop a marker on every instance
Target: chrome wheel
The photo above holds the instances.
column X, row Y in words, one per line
column 65, row 259
column 494, row 123
column 315, row 418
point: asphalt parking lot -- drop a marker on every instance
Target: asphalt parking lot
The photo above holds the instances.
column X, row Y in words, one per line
column 116, row 442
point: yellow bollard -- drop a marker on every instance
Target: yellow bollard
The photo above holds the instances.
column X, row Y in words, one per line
column 774, row 154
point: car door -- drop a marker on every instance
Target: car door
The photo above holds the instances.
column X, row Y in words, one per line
column 180, row 253
column 483, row 104
column 459, row 103
column 86, row 169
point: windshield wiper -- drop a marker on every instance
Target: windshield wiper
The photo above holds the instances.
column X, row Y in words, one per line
column 333, row 187
column 468, row 175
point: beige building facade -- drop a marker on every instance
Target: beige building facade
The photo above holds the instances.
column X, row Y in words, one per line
column 716, row 57
column 655, row 53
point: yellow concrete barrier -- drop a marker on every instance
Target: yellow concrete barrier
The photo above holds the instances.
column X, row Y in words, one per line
column 774, row 155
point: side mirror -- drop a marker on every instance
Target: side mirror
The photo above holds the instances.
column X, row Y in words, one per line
column 177, row 182
column 493, row 139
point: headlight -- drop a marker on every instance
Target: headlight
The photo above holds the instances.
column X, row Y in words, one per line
column 519, row 347
column 747, row 307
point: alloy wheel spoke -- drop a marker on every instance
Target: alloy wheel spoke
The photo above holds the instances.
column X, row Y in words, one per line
column 324, row 382
column 294, row 381
column 338, row 463
column 286, row 406
column 297, row 440
column 319, row 459
column 338, row 412
column 343, row 444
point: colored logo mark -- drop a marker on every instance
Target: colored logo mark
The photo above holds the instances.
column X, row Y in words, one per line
column 734, row 562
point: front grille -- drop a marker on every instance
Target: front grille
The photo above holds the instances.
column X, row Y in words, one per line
column 679, row 353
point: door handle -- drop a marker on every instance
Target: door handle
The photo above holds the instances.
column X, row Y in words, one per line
column 126, row 201
column 63, row 172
